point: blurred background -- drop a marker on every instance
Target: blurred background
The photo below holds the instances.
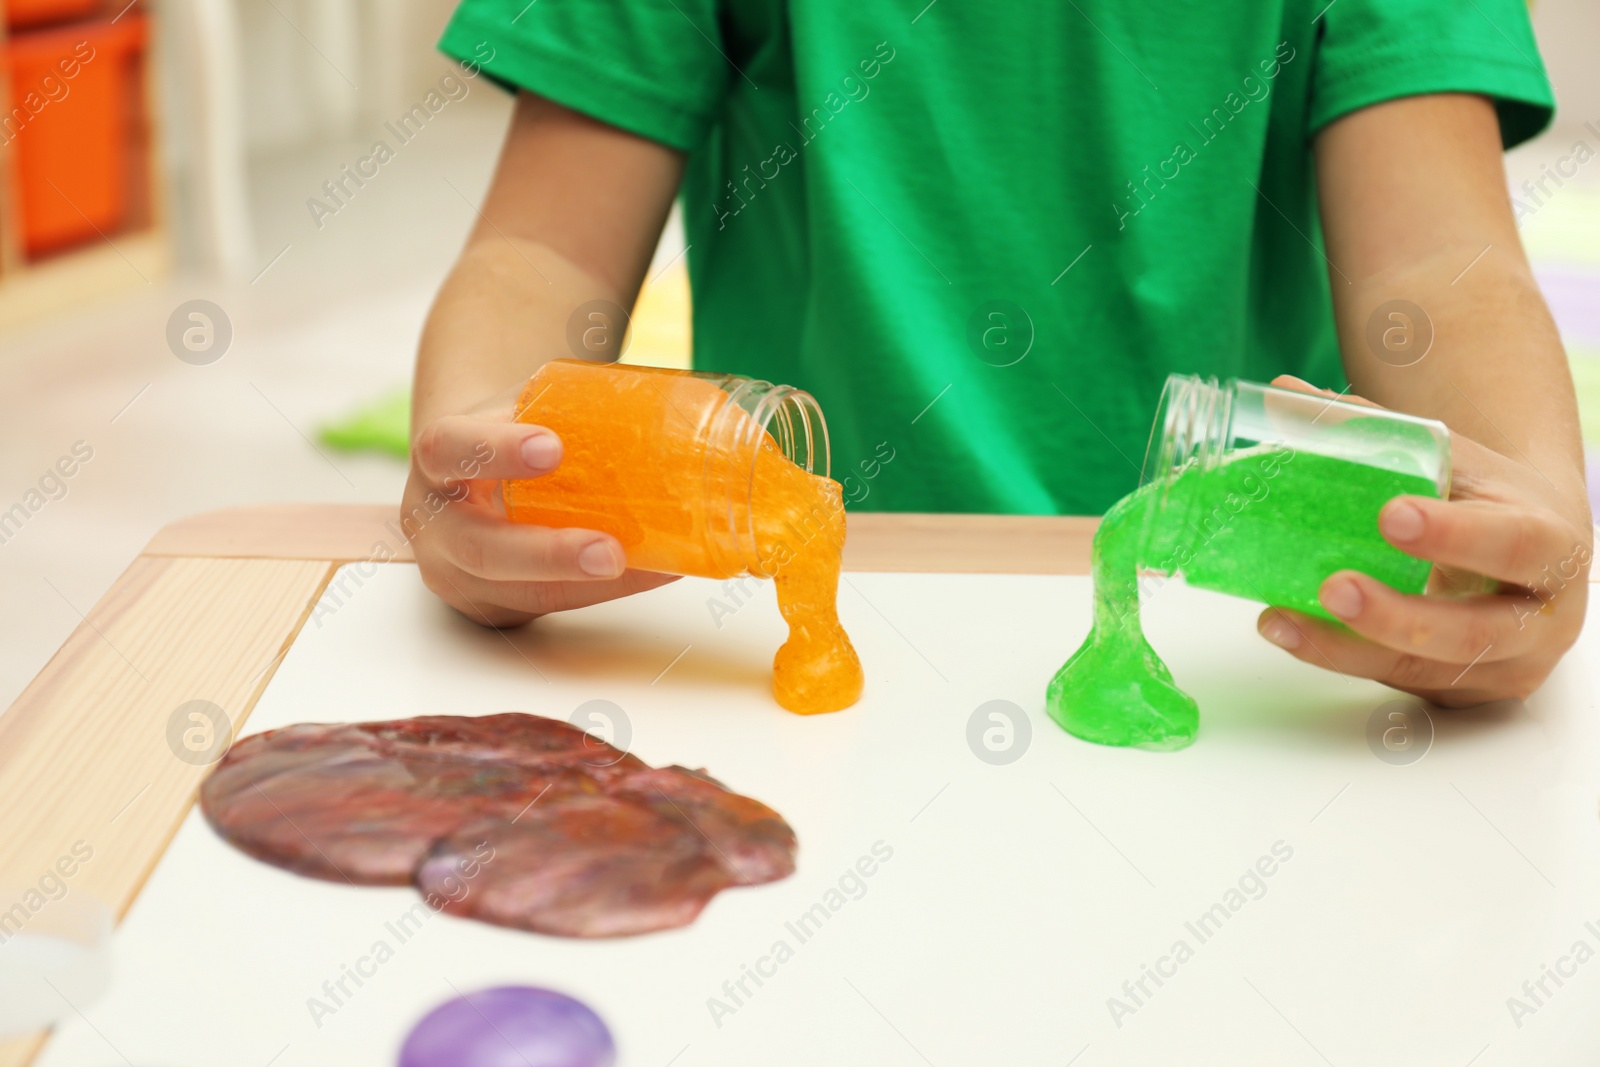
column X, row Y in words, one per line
column 211, row 286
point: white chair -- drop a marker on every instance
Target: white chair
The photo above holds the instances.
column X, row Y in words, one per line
column 353, row 63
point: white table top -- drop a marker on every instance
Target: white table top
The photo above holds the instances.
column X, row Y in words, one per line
column 1406, row 903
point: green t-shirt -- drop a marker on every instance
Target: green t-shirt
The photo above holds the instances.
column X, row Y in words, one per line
column 983, row 234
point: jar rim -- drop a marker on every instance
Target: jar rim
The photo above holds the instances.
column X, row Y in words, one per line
column 754, row 411
column 1179, row 416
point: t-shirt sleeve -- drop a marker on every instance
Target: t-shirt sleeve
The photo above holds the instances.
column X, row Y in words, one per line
column 1376, row 50
column 656, row 68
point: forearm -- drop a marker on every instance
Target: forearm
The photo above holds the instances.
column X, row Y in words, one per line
column 501, row 313
column 1415, row 209
column 572, row 215
column 1496, row 370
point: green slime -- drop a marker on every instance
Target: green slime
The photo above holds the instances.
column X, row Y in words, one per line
column 1267, row 524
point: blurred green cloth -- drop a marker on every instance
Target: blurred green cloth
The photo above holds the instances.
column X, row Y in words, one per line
column 381, row 426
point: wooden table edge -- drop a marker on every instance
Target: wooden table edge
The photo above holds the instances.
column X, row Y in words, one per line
column 229, row 592
column 901, row 541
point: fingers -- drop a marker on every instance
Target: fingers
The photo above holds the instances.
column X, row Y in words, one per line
column 446, row 583
column 503, row 574
column 1300, row 385
column 501, row 604
column 1323, row 644
column 462, row 446
column 1483, row 677
column 1518, row 544
column 1454, row 631
column 483, row 544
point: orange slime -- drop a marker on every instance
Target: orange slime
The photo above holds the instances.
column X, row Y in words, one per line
column 690, row 484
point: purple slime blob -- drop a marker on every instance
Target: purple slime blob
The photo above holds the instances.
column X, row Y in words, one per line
column 510, row 1026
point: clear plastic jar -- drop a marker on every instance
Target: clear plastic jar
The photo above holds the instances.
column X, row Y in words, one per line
column 666, row 461
column 1263, row 492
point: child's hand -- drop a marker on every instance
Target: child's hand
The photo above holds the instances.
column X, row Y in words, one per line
column 490, row 569
column 1505, row 529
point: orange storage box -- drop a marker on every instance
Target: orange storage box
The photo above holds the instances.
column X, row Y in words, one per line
column 22, row 13
column 70, row 125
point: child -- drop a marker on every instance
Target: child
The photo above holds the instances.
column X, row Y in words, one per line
column 983, row 234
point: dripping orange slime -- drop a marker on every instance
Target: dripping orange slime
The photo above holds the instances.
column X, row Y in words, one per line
column 689, row 483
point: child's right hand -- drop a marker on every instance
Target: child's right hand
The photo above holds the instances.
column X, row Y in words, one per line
column 492, row 570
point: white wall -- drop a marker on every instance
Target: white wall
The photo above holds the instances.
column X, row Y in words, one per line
column 1569, row 38
column 295, row 75
column 292, row 95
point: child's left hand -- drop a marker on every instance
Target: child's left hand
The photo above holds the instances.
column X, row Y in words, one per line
column 1506, row 528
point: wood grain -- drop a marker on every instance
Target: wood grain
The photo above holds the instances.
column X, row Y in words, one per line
column 341, row 533
column 84, row 752
column 878, row 541
column 207, row 613
column 969, row 544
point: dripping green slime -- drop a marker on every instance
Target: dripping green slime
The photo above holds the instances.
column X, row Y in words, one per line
column 1268, row 524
